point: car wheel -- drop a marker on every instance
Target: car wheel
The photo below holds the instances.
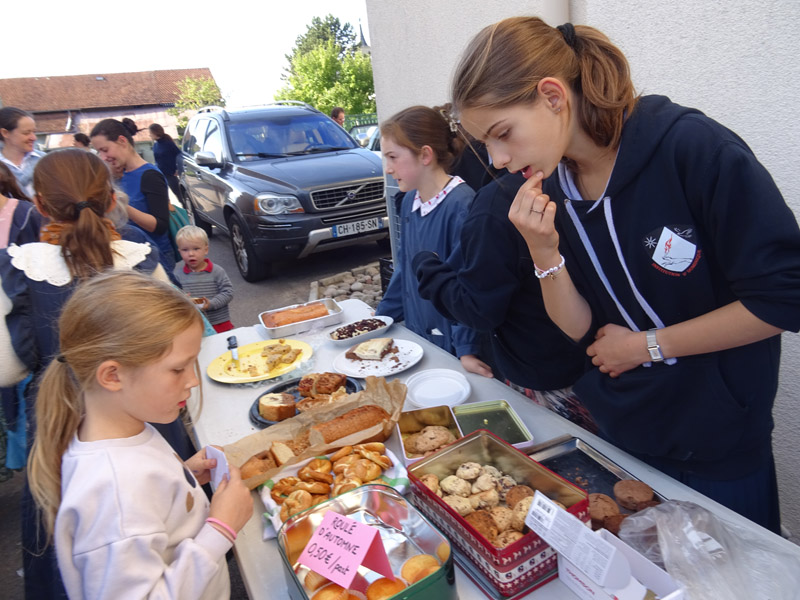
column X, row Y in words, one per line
column 195, row 220
column 251, row 268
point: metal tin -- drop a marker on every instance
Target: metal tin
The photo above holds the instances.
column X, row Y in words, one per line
column 577, row 461
column 404, row 533
column 498, row 417
column 528, row 562
column 413, row 421
column 334, row 316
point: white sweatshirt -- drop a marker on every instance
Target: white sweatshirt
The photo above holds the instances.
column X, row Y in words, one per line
column 132, row 524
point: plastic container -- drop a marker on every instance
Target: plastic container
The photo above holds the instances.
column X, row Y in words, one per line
column 437, row 387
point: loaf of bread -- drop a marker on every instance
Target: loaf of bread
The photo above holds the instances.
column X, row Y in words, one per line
column 276, row 407
column 353, row 421
column 281, row 453
column 288, row 316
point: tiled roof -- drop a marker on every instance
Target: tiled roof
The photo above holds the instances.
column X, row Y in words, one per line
column 100, row 90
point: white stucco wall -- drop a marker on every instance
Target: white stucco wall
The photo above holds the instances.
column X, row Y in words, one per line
column 734, row 59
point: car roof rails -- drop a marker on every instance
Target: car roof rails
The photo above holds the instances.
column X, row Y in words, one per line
column 213, row 108
column 292, row 103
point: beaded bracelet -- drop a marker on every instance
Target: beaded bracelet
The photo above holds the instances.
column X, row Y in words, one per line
column 551, row 272
column 225, row 526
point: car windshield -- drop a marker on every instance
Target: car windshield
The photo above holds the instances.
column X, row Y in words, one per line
column 287, row 136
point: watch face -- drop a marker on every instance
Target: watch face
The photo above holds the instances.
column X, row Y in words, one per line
column 655, row 353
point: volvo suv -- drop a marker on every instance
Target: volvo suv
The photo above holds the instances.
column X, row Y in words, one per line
column 283, row 180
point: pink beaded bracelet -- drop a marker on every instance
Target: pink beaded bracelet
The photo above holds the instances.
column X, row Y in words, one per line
column 225, row 526
column 551, row 272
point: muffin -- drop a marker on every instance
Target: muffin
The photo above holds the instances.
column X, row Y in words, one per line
column 383, row 588
column 418, row 566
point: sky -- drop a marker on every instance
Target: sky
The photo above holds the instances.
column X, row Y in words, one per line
column 243, row 42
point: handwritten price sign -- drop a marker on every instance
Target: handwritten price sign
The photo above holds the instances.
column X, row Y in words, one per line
column 340, row 545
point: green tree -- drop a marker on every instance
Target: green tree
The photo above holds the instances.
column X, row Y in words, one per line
column 319, row 33
column 194, row 93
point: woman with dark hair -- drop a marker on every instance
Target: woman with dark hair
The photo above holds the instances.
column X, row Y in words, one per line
column 18, row 134
column 146, row 187
column 166, row 153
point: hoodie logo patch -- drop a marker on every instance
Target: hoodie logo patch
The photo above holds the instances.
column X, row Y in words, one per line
column 673, row 249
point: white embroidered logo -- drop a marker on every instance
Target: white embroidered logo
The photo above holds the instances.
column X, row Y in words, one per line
column 672, row 248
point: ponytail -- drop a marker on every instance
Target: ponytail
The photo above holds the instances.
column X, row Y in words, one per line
column 59, row 409
column 419, row 126
column 504, row 63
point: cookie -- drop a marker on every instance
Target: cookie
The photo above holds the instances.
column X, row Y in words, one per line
column 483, row 523
column 600, row 507
column 506, row 538
column 502, row 516
column 613, row 522
column 630, row 492
column 517, row 493
column 469, row 471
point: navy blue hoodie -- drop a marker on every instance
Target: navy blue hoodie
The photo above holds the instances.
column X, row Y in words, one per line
column 699, row 223
column 490, row 286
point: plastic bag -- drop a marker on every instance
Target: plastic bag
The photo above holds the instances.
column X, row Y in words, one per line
column 711, row 557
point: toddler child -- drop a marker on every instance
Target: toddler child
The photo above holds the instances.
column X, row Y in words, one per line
column 205, row 282
column 129, row 518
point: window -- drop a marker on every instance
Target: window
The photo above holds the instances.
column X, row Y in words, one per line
column 213, row 141
column 193, row 138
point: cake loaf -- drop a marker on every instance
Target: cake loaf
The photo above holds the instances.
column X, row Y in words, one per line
column 288, row 316
column 276, row 407
column 353, row 421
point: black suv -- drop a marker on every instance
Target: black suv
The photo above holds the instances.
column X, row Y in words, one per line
column 284, row 180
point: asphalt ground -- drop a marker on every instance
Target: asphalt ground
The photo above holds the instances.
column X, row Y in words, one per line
column 290, row 284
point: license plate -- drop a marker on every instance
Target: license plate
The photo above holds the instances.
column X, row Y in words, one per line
column 357, row 227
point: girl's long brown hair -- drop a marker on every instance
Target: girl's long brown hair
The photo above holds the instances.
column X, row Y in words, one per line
column 504, row 63
column 419, row 126
column 62, row 180
column 124, row 316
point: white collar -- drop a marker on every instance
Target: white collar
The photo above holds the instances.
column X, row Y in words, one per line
column 43, row 262
column 427, row 207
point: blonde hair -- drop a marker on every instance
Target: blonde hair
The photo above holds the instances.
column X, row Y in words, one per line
column 64, row 181
column 191, row 233
column 123, row 316
column 504, row 63
column 419, row 126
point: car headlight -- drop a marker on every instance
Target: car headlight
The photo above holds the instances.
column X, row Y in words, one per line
column 276, row 204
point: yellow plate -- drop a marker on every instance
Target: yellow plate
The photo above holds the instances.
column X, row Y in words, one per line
column 221, row 368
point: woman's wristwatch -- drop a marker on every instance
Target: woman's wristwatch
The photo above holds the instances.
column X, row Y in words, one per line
column 652, row 346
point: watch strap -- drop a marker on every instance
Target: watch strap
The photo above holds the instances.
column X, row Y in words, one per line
column 652, row 346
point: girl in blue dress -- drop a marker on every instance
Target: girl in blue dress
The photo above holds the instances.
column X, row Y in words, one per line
column 145, row 185
column 420, row 145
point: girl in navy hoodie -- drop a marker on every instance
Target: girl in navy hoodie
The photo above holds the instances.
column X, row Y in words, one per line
column 661, row 244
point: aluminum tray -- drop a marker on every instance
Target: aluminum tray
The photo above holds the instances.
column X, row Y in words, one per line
column 580, row 463
column 335, row 315
column 498, row 417
column 404, row 532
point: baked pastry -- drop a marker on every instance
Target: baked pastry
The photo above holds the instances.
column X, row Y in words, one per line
column 630, row 492
column 334, row 591
column 600, row 507
column 503, row 484
column 453, row 484
column 288, row 316
column 431, row 481
column 517, row 493
column 502, row 516
column 483, row 483
column 520, row 512
column 432, row 438
column 374, row 349
column 459, row 504
column 281, row 453
column 313, row 581
column 351, row 330
column 321, row 400
column 257, row 466
column 469, row 470
column 418, row 566
column 353, row 421
column 384, row 588
column 613, row 522
column 506, row 538
column 648, row 504
column 276, row 407
column 483, row 523
column 315, row 384
column 486, row 499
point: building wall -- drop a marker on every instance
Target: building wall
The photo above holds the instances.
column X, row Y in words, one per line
column 733, row 59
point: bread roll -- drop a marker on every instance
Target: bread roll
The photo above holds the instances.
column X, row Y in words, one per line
column 276, row 407
column 353, row 421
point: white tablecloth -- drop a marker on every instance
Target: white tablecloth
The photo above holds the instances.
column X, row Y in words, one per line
column 224, row 419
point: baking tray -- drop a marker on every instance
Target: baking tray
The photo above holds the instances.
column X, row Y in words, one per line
column 335, row 315
column 289, row 386
column 404, row 533
column 583, row 465
column 498, row 417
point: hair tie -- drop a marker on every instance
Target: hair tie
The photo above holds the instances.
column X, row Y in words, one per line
column 79, row 206
column 451, row 122
column 568, row 31
column 61, row 358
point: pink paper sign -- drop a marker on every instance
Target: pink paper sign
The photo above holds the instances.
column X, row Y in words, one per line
column 340, row 545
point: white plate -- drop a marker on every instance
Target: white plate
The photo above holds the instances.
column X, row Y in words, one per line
column 350, row 342
column 408, row 354
column 437, row 387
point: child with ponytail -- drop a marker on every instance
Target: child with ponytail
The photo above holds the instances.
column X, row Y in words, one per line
column 420, row 145
column 661, row 245
column 129, row 518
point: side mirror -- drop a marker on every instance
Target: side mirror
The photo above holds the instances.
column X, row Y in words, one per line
column 207, row 159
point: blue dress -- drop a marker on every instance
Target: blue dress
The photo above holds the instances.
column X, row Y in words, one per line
column 439, row 231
